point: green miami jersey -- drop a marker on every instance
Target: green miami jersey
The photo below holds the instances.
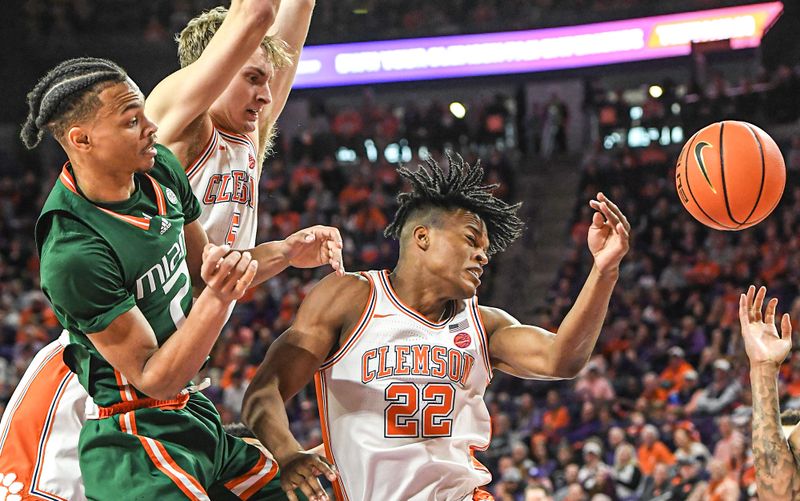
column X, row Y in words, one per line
column 98, row 261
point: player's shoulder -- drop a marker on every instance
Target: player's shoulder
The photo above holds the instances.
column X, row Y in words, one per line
column 70, row 245
column 349, row 285
column 167, row 163
column 495, row 318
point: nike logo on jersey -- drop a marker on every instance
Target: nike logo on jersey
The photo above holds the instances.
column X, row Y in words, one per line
column 378, row 315
column 416, row 360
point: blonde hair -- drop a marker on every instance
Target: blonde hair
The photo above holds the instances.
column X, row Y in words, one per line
column 197, row 34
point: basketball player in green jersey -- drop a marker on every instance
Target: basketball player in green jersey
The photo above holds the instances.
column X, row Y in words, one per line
column 120, row 249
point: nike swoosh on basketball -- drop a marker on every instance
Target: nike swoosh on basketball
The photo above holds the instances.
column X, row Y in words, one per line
column 698, row 155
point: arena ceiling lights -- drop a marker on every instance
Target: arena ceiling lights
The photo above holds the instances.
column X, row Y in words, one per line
column 534, row 50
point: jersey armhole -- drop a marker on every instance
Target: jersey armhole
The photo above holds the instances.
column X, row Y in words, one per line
column 360, row 327
column 483, row 338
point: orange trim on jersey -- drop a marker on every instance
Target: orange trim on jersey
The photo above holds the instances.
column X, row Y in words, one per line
column 482, row 495
column 29, row 422
column 160, row 203
column 235, row 135
column 125, row 392
column 49, row 430
column 204, row 155
column 483, row 339
column 143, row 223
column 319, row 383
column 360, row 327
column 407, row 310
column 244, row 486
column 42, row 386
column 189, row 485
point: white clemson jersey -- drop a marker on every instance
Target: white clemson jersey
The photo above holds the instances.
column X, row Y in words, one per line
column 401, row 403
column 225, row 178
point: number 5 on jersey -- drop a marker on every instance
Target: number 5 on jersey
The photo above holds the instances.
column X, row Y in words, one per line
column 405, row 400
column 233, row 229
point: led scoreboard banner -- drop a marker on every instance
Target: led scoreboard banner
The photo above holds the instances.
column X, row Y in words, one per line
column 533, row 50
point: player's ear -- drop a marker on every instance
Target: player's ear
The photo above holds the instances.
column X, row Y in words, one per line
column 422, row 237
column 77, row 138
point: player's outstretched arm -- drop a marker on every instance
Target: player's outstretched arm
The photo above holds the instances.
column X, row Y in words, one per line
column 528, row 351
column 307, row 248
column 130, row 346
column 200, row 83
column 776, row 468
column 291, row 362
column 291, row 26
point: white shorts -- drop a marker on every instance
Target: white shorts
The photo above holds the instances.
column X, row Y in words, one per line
column 39, row 430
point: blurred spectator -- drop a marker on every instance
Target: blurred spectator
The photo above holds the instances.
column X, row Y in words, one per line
column 652, row 451
column 627, row 474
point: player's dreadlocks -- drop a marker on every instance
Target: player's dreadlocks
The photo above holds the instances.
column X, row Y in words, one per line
column 460, row 188
column 65, row 95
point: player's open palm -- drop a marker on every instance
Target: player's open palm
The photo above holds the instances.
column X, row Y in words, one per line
column 300, row 471
column 228, row 274
column 762, row 342
column 609, row 234
column 315, row 246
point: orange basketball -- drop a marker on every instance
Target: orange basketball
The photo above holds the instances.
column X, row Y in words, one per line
column 730, row 175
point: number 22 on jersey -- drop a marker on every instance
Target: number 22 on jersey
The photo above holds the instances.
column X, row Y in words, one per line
column 436, row 401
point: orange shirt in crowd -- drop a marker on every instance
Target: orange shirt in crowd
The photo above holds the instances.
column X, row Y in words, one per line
column 675, row 375
column 650, row 456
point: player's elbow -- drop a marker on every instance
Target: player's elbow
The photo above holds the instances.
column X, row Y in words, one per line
column 259, row 14
column 160, row 391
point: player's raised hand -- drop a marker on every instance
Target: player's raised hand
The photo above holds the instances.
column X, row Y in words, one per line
column 228, row 274
column 763, row 344
column 300, row 471
column 609, row 234
column 315, row 246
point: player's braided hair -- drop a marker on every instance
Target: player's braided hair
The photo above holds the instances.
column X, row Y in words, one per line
column 66, row 94
column 459, row 188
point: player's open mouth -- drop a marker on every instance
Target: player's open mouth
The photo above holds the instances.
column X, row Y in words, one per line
column 253, row 113
column 475, row 272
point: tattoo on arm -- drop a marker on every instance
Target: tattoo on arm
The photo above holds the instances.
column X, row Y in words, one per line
column 776, row 470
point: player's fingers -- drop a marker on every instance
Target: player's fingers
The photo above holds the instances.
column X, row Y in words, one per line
column 246, row 280
column 597, row 220
column 616, row 210
column 307, row 488
column 744, row 311
column 624, row 235
column 325, row 468
column 611, row 218
column 217, row 252
column 758, row 304
column 330, row 233
column 769, row 314
column 786, row 327
column 751, row 294
column 234, row 278
column 289, row 491
column 212, row 257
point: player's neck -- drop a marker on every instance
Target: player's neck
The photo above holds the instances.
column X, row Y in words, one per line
column 100, row 185
column 419, row 294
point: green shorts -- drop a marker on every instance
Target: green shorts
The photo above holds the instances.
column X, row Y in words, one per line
column 161, row 454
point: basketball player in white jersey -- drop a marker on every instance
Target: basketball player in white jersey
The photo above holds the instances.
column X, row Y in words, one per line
column 402, row 358
column 39, row 429
column 217, row 113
